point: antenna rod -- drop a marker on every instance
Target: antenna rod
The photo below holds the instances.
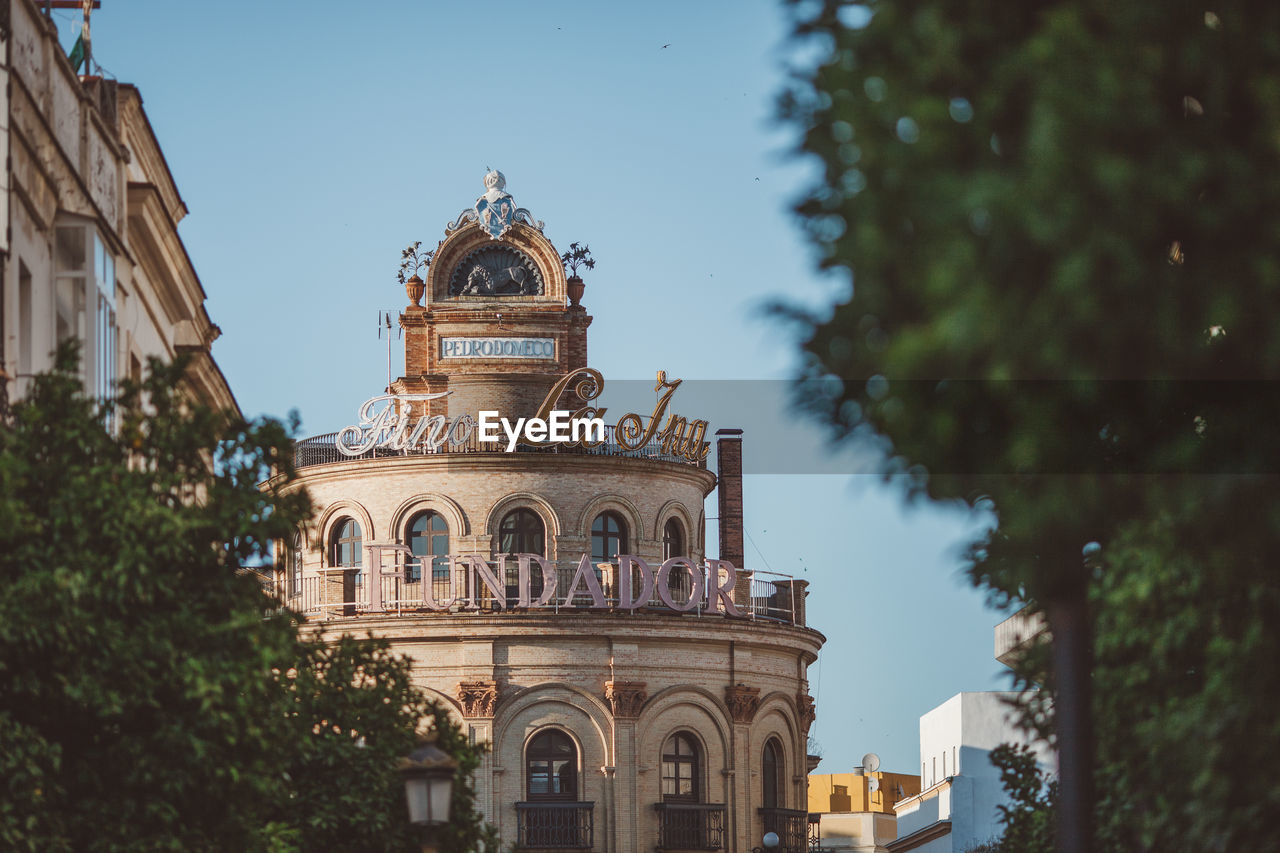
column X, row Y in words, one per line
column 84, row 34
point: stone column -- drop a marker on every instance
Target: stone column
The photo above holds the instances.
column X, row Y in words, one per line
column 486, row 775
column 626, row 698
column 607, row 833
column 743, row 703
column 479, row 700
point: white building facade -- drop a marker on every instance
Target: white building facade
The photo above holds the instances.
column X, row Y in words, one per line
column 957, row 807
column 90, row 247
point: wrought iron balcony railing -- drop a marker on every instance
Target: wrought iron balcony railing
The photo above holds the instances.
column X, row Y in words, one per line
column 792, row 827
column 335, row 592
column 691, row 826
column 555, row 826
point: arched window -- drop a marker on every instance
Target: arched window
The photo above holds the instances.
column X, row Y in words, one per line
column 771, row 774
column 428, row 538
column 673, row 539
column 551, row 767
column 608, row 537
column 681, row 769
column 679, row 582
column 522, row 532
column 344, row 545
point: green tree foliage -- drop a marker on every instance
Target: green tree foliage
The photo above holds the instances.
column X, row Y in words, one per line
column 1027, row 817
column 153, row 698
column 1060, row 219
column 344, row 791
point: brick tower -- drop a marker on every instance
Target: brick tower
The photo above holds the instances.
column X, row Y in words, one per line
column 496, row 328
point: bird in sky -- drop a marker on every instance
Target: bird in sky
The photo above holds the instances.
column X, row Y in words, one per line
column 665, row 46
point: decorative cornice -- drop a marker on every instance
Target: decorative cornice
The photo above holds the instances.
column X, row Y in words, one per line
column 742, row 701
column 626, row 697
column 211, row 334
column 478, row 698
column 804, row 703
column 920, row 837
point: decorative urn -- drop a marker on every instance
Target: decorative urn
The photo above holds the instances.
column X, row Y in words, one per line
column 576, row 288
column 414, row 287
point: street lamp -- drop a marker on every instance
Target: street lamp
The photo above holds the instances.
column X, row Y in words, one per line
column 428, row 774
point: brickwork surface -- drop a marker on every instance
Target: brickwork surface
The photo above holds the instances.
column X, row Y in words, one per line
column 553, row 671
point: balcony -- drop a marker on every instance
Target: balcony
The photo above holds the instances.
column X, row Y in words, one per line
column 344, row 592
column 691, row 826
column 555, row 826
column 1015, row 634
column 323, row 450
column 791, row 825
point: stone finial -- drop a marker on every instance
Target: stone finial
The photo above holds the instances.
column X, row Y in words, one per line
column 742, row 701
column 495, row 211
column 626, row 697
column 478, row 698
column 494, row 180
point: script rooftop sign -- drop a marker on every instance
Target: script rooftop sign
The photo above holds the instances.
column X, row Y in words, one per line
column 392, row 422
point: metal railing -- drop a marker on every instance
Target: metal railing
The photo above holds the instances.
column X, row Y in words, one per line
column 691, row 826
column 815, row 833
column 323, row 449
column 551, row 826
column 791, row 825
column 778, row 597
column 346, row 591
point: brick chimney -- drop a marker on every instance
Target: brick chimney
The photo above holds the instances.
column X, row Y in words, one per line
column 729, row 493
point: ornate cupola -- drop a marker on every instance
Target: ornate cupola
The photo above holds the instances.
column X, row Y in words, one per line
column 496, row 327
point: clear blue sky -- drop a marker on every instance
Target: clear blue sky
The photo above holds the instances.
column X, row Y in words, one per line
column 313, row 141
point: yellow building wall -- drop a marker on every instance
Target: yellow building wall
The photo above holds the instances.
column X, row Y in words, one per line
column 847, row 792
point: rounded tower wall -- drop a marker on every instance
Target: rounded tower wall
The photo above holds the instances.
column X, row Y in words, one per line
column 661, row 705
